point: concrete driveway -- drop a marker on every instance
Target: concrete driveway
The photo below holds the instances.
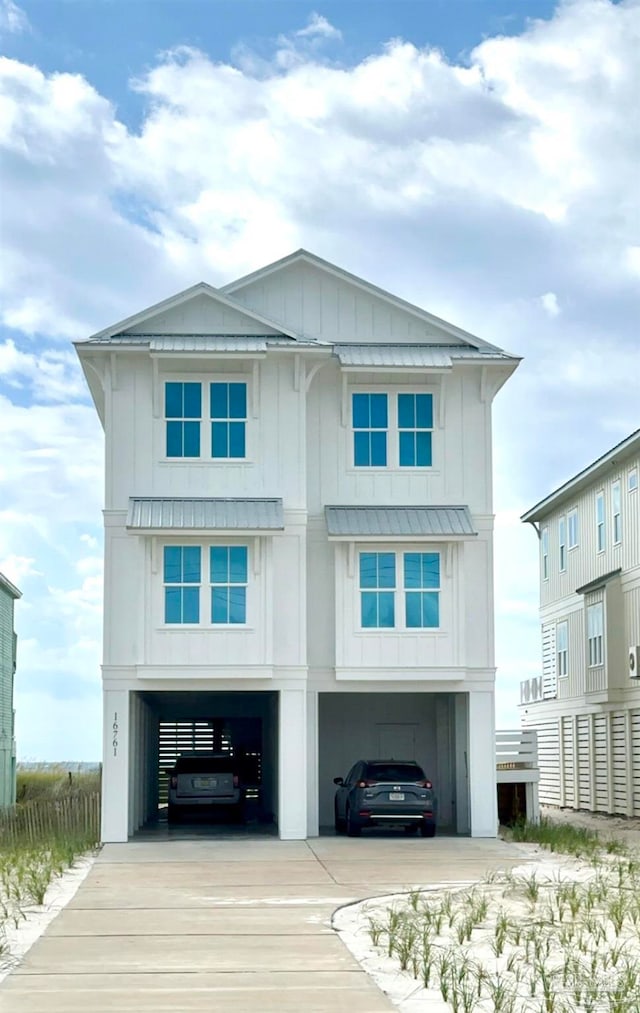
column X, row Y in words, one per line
column 233, row 925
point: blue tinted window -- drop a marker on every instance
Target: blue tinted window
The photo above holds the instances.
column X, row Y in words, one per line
column 422, row 608
column 228, row 577
column 192, row 400
column 181, row 568
column 228, row 402
column 360, row 409
column 361, row 450
column 378, row 409
column 173, row 604
column 190, row 604
column 191, row 437
column 378, row 449
column 238, row 564
column 236, row 439
column 182, row 401
column 377, row 607
column 424, row 411
column 237, row 400
column 370, row 419
column 415, row 422
column 173, row 400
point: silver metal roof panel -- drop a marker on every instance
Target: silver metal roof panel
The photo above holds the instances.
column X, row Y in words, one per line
column 203, row 514
column 401, row 521
column 412, row 356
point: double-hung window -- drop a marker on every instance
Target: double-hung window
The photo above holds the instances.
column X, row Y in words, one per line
column 422, row 589
column 562, row 544
column 544, row 546
column 415, row 428
column 632, row 480
column 387, row 602
column 616, row 515
column 228, row 576
column 595, row 634
column 562, row 648
column 182, row 576
column 377, row 590
column 183, row 414
column 572, row 525
column 600, row 522
column 228, row 409
column 370, row 414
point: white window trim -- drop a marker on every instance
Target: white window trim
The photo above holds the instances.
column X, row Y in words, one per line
column 562, row 544
column 572, row 514
column 596, row 638
column 616, row 514
column 632, row 475
column 205, row 420
column 562, row 654
column 544, row 548
column 205, row 586
column 600, row 498
column 398, row 591
column 392, row 430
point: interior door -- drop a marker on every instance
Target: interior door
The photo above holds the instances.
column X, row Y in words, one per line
column 397, row 741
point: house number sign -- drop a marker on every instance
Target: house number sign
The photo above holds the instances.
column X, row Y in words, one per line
column 114, row 729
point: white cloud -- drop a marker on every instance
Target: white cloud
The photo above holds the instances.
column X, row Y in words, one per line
column 13, row 19
column 550, row 303
column 319, row 26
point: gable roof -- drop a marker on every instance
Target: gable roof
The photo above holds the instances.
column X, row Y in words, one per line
column 202, row 288
column 304, row 256
column 6, row 585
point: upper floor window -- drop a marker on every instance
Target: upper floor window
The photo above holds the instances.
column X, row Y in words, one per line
column 632, row 480
column 595, row 634
column 616, row 517
column 562, row 543
column 392, row 429
column 420, row 590
column 415, row 426
column 183, row 413
column 544, row 547
column 600, row 522
column 182, row 573
column 228, row 577
column 228, row 409
column 562, row 648
column 572, row 526
column 370, row 424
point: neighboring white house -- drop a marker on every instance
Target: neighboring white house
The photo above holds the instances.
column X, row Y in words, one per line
column 9, row 594
column 298, row 541
column 586, row 704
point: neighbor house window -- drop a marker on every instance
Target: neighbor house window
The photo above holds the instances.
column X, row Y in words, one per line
column 422, row 589
column 182, row 584
column 544, row 546
column 595, row 633
column 600, row 522
column 562, row 648
column 370, row 424
column 228, row 577
column 228, row 410
column 616, row 518
column 377, row 589
column 415, row 426
column 632, row 480
column 183, row 412
column 562, row 543
column 572, row 528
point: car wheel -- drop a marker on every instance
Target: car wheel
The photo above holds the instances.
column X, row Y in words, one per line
column 353, row 828
column 428, row 830
column 337, row 822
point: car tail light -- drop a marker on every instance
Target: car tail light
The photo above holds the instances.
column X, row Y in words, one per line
column 365, row 784
column 427, row 812
column 236, row 780
column 174, row 781
column 425, row 784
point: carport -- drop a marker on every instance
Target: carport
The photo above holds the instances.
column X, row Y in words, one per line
column 430, row 728
column 167, row 724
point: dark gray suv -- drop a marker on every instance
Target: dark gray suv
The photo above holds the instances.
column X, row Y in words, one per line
column 385, row 792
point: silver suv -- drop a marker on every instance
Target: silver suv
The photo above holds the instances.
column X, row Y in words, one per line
column 385, row 792
column 206, row 780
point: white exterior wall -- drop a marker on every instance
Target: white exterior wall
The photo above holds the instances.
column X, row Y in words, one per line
column 589, row 732
column 302, row 637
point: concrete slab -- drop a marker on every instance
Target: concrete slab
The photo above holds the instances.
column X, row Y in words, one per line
column 222, row 920
column 205, row 875
column 277, row 992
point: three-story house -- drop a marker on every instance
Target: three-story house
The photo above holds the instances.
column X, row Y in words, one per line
column 298, row 542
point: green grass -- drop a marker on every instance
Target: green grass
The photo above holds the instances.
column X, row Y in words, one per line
column 52, row 780
column 559, row 837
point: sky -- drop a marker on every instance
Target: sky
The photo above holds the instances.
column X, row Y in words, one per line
column 476, row 157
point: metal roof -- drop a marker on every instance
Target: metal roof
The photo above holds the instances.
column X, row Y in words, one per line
column 204, row 514
column 392, row 355
column 401, row 521
column 6, row 585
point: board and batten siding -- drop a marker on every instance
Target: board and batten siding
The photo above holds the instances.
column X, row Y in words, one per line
column 7, row 659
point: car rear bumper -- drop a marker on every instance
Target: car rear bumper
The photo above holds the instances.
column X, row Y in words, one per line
column 198, row 800
column 388, row 815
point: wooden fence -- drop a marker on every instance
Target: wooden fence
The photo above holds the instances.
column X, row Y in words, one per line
column 73, row 815
column 517, row 749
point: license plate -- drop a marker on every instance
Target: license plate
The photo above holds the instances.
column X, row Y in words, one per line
column 205, row 782
column 396, row 796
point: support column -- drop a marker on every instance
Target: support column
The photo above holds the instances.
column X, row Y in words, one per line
column 461, row 739
column 313, row 801
column 483, row 788
column 115, row 770
column 292, row 765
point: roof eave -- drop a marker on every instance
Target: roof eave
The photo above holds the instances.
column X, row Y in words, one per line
column 10, row 588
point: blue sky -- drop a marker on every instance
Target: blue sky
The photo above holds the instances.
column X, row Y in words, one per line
column 475, row 157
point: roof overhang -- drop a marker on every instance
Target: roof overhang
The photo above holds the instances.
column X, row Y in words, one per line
column 195, row 515
column 399, row 523
column 6, row 585
column 598, row 582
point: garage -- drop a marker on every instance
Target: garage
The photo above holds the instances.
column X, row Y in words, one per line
column 430, row 728
column 170, row 724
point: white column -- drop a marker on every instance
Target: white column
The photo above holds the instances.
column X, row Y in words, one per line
column 483, row 789
column 461, row 753
column 313, row 801
column 292, row 765
column 115, row 769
